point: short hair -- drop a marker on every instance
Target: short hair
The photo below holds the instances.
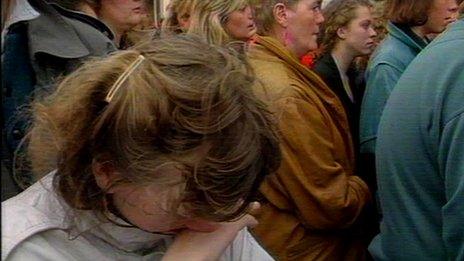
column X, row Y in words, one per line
column 264, row 16
column 208, row 19
column 337, row 14
column 408, row 12
column 188, row 104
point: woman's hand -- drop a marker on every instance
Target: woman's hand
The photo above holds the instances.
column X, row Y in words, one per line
column 194, row 245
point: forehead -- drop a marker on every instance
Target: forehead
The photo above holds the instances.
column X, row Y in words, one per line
column 362, row 13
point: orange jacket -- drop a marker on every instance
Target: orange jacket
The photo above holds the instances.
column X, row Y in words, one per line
column 314, row 199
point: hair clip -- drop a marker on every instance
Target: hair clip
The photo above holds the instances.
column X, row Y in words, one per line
column 123, row 78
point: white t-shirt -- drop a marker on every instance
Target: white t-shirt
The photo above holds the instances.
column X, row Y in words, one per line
column 38, row 225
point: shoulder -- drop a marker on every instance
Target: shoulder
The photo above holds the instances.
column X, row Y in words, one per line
column 42, row 246
column 326, row 67
column 394, row 53
column 33, row 211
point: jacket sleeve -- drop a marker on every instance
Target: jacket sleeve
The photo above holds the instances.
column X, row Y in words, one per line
column 451, row 160
column 380, row 82
column 324, row 194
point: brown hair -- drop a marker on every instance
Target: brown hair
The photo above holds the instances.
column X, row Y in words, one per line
column 408, row 12
column 337, row 14
column 264, row 14
column 189, row 104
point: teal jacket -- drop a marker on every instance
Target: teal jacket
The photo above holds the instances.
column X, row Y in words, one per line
column 420, row 157
column 385, row 68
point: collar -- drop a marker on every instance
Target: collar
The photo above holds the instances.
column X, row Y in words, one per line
column 85, row 18
column 406, row 35
column 311, row 79
column 22, row 11
column 51, row 33
column 269, row 45
column 122, row 236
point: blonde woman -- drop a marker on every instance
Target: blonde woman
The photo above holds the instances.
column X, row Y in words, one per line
column 312, row 203
column 158, row 157
column 222, row 21
column 178, row 16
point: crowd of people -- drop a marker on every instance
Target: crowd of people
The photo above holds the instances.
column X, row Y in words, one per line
column 233, row 130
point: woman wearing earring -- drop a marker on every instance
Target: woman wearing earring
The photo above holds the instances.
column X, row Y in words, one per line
column 310, row 205
column 158, row 156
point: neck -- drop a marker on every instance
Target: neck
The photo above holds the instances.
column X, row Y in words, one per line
column 420, row 31
column 283, row 38
column 343, row 56
column 118, row 32
column 87, row 9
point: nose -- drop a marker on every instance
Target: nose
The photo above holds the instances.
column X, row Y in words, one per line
column 372, row 32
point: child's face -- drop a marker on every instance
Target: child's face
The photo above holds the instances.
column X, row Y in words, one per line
column 148, row 207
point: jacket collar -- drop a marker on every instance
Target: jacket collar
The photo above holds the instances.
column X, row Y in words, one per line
column 51, row 33
column 310, row 79
column 307, row 75
column 402, row 36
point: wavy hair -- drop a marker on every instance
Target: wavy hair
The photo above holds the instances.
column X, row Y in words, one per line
column 208, row 18
column 338, row 14
column 189, row 104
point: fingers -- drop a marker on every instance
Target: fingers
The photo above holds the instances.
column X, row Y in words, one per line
column 247, row 221
column 253, row 208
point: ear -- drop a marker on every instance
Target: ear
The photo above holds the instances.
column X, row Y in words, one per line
column 341, row 32
column 105, row 175
column 280, row 14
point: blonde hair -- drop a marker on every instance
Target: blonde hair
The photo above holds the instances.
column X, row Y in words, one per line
column 175, row 10
column 337, row 14
column 208, row 18
column 187, row 104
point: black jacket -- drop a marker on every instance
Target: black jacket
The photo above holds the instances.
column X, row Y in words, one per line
column 326, row 68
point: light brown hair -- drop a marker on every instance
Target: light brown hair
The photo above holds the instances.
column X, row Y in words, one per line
column 408, row 12
column 338, row 14
column 188, row 103
column 264, row 14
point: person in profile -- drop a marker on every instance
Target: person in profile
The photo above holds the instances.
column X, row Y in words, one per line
column 420, row 157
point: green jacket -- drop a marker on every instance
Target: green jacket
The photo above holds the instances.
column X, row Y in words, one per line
column 385, row 68
column 420, row 157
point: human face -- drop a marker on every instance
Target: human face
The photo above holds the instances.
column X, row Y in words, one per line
column 148, row 207
column 183, row 19
column 302, row 27
column 122, row 15
column 240, row 24
column 358, row 35
column 441, row 13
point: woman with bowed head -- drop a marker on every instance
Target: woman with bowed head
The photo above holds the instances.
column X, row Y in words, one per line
column 158, row 156
column 312, row 204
